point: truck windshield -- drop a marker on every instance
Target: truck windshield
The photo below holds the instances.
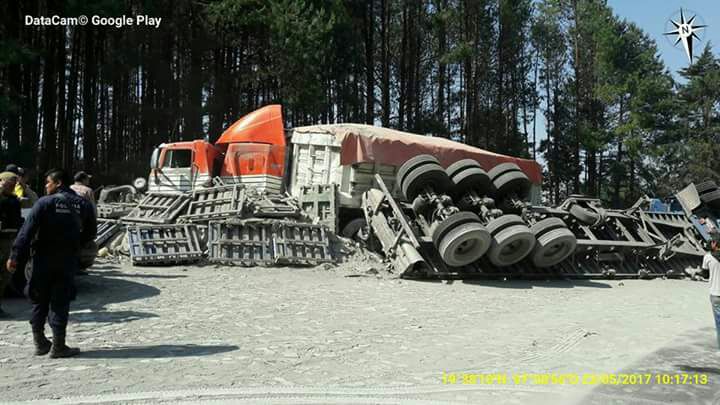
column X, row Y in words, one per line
column 177, row 158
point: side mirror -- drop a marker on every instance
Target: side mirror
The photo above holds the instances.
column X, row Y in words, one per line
column 154, row 158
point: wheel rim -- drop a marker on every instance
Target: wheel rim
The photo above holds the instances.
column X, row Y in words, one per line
column 553, row 247
column 426, row 176
column 464, row 244
column 511, row 245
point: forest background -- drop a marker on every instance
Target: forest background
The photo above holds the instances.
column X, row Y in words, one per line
column 566, row 82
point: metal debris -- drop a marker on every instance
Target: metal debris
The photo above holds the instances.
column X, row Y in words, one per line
column 215, row 203
column 319, row 202
column 114, row 210
column 158, row 208
column 106, row 229
column 256, row 242
column 164, row 244
column 273, row 206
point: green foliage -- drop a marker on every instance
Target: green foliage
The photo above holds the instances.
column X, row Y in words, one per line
column 617, row 125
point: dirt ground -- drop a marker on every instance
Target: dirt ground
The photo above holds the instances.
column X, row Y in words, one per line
column 356, row 334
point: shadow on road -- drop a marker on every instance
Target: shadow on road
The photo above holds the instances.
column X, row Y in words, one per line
column 115, row 273
column 685, row 372
column 94, row 292
column 157, row 351
column 528, row 284
column 111, row 316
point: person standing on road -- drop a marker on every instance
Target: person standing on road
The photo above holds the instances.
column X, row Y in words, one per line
column 10, row 222
column 82, row 186
column 711, row 263
column 62, row 221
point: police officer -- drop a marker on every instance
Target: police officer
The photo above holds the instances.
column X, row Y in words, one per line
column 62, row 222
column 10, row 222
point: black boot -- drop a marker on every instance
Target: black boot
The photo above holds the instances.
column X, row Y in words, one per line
column 60, row 350
column 42, row 344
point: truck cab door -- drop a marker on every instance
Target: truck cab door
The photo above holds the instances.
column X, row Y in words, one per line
column 176, row 170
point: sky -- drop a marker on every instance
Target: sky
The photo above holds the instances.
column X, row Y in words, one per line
column 653, row 16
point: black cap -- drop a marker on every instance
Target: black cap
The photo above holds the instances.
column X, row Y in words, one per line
column 81, row 176
column 13, row 168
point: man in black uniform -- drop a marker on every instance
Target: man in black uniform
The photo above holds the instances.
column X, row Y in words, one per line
column 10, row 222
column 62, row 222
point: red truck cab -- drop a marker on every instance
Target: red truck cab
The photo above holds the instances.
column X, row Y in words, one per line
column 250, row 152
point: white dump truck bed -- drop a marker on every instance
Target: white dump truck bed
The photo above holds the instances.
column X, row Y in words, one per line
column 349, row 155
column 315, row 159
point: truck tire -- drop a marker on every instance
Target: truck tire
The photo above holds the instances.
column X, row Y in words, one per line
column 352, row 228
column 411, row 164
column 464, row 244
column 511, row 245
column 454, row 220
column 503, row 168
column 511, row 182
column 705, row 187
column 711, row 198
column 584, row 215
column 553, row 246
column 473, row 178
column 461, row 165
column 500, row 223
column 547, row 224
column 430, row 175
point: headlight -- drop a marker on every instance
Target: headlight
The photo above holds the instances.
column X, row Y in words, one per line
column 140, row 183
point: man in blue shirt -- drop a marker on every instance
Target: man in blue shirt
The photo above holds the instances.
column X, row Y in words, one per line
column 57, row 226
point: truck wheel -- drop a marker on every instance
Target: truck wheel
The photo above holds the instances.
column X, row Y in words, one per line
column 461, row 165
column 355, row 229
column 546, row 225
column 510, row 245
column 584, row 215
column 454, row 220
column 503, row 168
column 505, row 221
column 429, row 175
column 464, row 244
column 411, row 164
column 553, row 246
column 473, row 178
column 711, row 198
column 706, row 186
column 512, row 181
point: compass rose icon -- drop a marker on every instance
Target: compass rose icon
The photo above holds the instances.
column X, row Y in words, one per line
column 686, row 31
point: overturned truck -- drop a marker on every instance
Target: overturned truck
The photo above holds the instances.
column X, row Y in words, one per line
column 435, row 207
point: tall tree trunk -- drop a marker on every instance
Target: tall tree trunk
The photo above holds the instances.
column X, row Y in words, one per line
column 63, row 133
column 49, row 100
column 442, row 66
column 12, row 132
column 370, row 62
column 90, row 99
